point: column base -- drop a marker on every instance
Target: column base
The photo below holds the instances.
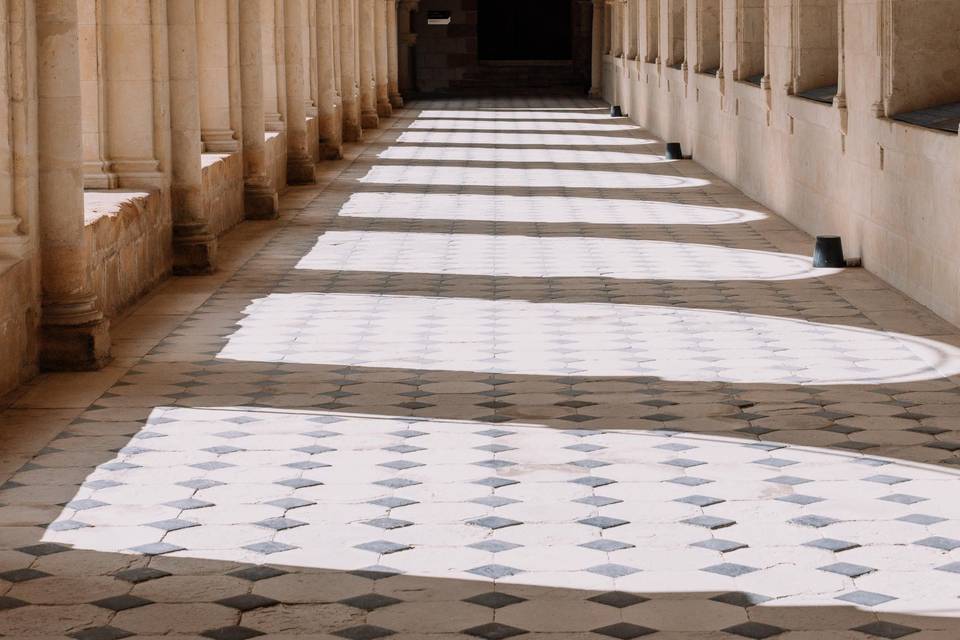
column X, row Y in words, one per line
column 83, row 347
column 384, row 109
column 369, row 120
column 330, row 151
column 300, row 170
column 194, row 255
column 396, row 100
column 352, row 132
column 261, row 203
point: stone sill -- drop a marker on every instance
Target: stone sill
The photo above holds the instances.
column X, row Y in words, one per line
column 98, row 205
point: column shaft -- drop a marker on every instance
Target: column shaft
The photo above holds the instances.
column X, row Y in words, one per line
column 74, row 334
column 349, row 62
column 406, row 40
column 393, row 80
column 381, row 43
column 329, row 107
column 596, row 59
column 194, row 248
column 260, row 196
column 369, row 118
column 299, row 162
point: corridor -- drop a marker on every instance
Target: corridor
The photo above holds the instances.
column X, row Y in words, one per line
column 503, row 372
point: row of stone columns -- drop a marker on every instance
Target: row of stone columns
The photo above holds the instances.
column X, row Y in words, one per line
column 208, row 61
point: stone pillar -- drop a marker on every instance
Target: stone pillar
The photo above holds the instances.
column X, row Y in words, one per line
column 596, row 66
column 260, row 196
column 393, row 82
column 329, row 105
column 366, row 28
column 74, row 334
column 381, row 42
column 348, row 70
column 194, row 247
column 299, row 162
column 407, row 40
column 213, row 38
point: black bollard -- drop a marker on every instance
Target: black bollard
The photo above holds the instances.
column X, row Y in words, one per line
column 828, row 253
column 674, row 152
column 616, row 111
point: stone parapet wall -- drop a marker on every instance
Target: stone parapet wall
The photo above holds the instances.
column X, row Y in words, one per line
column 19, row 319
column 223, row 190
column 129, row 245
column 277, row 159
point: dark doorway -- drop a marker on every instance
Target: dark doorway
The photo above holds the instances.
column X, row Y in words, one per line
column 525, row 30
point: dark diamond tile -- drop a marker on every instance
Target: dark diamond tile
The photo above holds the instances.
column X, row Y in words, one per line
column 494, row 546
column 939, row 542
column 618, row 599
column 690, row 481
column 832, row 544
column 494, row 631
column 100, row 633
column 603, row 522
column 887, row 479
column 306, row 465
column 776, row 463
column 393, row 502
column 396, row 483
column 7, row 603
column 730, row 569
column 700, row 501
column 199, row 484
column 866, row 598
column 269, row 548
column 232, row 633
column 121, row 603
column 589, row 464
column 388, row 523
column 280, row 524
column 85, row 504
column 718, row 544
column 755, row 630
column 606, row 545
column 585, row 448
column 740, row 599
column 375, row 572
column 800, row 499
column 495, row 448
column 494, row 433
column 401, row 465
column 593, row 481
column 370, row 601
column 953, row 567
column 22, row 575
column 364, row 632
column 496, row 483
column 314, row 449
column 613, row 570
column 257, row 573
column 404, row 448
column 247, row 602
column 684, row 463
column 43, row 549
column 598, row 501
column 624, row 631
column 791, row 481
column 903, row 498
column 494, row 501
column 290, row 503
column 884, row 629
column 383, row 547
column 494, row 571
column 189, row 504
column 848, row 569
column 174, row 524
column 299, row 483
column 495, row 464
column 921, row 519
column 495, row 600
column 816, row 522
column 409, row 433
column 710, row 522
column 494, row 522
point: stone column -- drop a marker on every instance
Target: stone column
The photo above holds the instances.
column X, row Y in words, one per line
column 329, row 106
column 299, row 162
column 381, row 42
column 596, row 60
column 366, row 26
column 407, row 40
column 260, row 196
column 194, row 247
column 213, row 38
column 348, row 70
column 393, row 82
column 74, row 334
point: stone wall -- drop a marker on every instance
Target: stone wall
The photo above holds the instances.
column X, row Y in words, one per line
column 129, row 247
column 277, row 159
column 445, row 53
column 223, row 190
column 888, row 188
column 19, row 319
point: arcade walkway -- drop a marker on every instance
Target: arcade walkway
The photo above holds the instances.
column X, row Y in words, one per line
column 505, row 372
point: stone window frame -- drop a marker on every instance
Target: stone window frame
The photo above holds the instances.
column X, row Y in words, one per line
column 709, row 37
column 632, row 50
column 753, row 67
column 814, row 70
column 651, row 31
column 676, row 23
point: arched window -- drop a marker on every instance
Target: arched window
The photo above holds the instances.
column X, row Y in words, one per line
column 708, row 36
column 815, row 49
column 652, row 31
column 921, row 63
column 677, row 34
column 751, row 40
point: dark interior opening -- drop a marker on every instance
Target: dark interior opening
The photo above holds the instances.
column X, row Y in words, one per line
column 525, row 30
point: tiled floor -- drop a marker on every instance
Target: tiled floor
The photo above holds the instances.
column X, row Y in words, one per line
column 504, row 372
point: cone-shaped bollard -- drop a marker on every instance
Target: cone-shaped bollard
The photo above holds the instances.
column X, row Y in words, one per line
column 828, row 253
column 674, row 152
column 616, row 111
